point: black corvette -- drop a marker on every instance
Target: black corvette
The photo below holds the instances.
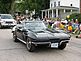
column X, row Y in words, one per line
column 34, row 33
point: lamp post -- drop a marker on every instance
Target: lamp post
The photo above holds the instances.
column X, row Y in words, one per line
column 35, row 7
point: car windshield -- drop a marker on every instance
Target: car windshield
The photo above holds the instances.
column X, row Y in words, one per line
column 35, row 26
column 6, row 17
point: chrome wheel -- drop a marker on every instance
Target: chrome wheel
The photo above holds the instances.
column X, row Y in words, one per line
column 29, row 45
column 15, row 38
column 62, row 46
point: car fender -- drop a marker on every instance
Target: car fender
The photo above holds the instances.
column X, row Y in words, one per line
column 31, row 35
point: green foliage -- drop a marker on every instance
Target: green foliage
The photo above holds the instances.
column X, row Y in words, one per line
column 36, row 4
column 5, row 6
column 9, row 5
column 75, row 16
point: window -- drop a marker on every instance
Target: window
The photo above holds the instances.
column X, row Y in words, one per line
column 6, row 16
column 35, row 26
column 54, row 4
column 71, row 5
column 68, row 10
column 58, row 3
column 51, row 5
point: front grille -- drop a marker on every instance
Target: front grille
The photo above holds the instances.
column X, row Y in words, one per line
column 9, row 22
column 51, row 40
column 54, row 40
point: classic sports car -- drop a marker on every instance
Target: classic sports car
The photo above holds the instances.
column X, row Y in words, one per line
column 34, row 33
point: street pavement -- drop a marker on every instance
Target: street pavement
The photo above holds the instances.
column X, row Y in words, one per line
column 11, row 51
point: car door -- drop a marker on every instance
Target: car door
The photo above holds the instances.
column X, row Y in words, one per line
column 24, row 34
column 19, row 31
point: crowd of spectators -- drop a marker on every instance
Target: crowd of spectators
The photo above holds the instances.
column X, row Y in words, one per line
column 72, row 26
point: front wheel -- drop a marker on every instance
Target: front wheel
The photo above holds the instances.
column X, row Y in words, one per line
column 15, row 37
column 30, row 47
column 62, row 46
column 0, row 26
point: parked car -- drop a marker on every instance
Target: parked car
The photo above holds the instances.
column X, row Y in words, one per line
column 34, row 33
column 6, row 20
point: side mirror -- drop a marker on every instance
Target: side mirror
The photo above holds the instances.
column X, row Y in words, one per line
column 19, row 26
column 24, row 30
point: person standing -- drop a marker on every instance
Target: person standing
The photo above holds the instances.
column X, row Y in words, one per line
column 0, row 17
column 79, row 36
column 76, row 26
column 56, row 24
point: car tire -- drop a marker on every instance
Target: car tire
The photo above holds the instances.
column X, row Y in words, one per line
column 0, row 26
column 62, row 46
column 30, row 47
column 15, row 37
column 76, row 36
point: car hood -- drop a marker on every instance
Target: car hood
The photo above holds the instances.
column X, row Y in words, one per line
column 51, row 35
column 45, row 36
column 7, row 19
column 62, row 36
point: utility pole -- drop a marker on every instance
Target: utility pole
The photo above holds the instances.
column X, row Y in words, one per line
column 80, row 6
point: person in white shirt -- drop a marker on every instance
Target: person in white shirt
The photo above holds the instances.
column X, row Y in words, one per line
column 56, row 24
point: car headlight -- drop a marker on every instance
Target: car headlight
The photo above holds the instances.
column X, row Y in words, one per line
column 14, row 22
column 3, row 21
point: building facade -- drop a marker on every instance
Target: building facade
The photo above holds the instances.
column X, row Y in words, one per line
column 61, row 8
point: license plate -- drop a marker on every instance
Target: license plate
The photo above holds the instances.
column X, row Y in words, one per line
column 54, row 45
column 9, row 24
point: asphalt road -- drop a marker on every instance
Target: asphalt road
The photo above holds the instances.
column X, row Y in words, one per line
column 11, row 51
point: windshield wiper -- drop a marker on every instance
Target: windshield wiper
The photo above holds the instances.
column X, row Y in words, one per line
column 52, row 30
column 40, row 31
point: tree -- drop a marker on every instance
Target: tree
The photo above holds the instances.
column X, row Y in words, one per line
column 5, row 6
column 9, row 5
column 37, row 4
column 75, row 16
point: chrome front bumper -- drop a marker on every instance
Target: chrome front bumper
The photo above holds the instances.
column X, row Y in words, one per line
column 41, row 43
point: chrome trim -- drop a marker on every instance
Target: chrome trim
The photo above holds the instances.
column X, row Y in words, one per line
column 64, row 42
column 35, row 42
column 21, row 40
column 41, row 42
